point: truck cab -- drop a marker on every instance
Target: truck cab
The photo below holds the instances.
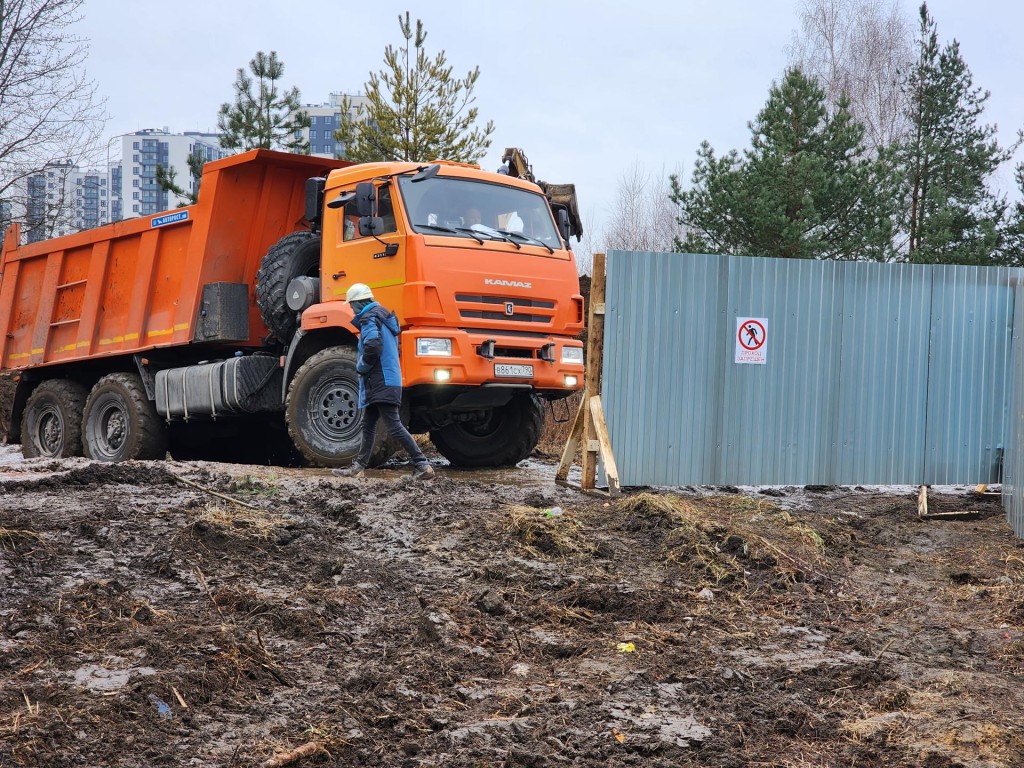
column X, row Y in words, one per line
column 485, row 287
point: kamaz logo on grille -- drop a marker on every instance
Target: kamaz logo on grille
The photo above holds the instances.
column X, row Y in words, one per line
column 510, row 308
column 507, row 283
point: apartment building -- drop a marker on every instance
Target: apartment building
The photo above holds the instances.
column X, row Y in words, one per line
column 325, row 120
column 143, row 151
column 62, row 198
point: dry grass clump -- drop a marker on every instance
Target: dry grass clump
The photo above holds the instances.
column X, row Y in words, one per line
column 254, row 487
column 722, row 540
column 561, row 535
column 652, row 510
column 239, row 522
column 19, row 540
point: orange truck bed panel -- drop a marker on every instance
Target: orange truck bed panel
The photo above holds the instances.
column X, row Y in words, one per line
column 137, row 284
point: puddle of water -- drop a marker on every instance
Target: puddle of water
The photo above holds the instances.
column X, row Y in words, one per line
column 100, row 679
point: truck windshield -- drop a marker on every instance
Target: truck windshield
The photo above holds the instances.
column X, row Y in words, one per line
column 478, row 210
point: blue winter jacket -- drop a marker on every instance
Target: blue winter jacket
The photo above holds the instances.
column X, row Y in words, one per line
column 379, row 367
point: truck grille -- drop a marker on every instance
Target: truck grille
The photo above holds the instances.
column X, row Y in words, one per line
column 481, row 307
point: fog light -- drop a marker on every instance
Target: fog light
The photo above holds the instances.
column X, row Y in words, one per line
column 441, row 375
column 571, row 381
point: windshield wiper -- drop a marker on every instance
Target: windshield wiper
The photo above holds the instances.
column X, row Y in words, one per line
column 494, row 234
column 452, row 231
column 527, row 239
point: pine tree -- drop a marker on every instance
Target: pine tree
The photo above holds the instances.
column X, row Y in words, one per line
column 266, row 117
column 417, row 111
column 1011, row 245
column 804, row 189
column 167, row 177
column 949, row 214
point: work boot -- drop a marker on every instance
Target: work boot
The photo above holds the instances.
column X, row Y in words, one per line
column 355, row 469
column 423, row 472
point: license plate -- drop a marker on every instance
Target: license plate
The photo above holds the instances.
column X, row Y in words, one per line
column 513, row 371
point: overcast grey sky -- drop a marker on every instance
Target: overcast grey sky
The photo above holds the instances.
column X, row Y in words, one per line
column 587, row 89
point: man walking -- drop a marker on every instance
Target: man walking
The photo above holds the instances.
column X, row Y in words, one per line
column 380, row 382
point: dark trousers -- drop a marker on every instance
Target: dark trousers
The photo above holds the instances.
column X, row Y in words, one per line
column 396, row 429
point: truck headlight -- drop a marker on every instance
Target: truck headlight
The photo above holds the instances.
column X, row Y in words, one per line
column 433, row 347
column 572, row 355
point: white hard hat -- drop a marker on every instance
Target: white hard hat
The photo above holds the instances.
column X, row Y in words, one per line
column 359, row 292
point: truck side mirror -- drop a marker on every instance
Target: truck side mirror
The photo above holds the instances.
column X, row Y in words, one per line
column 563, row 224
column 371, row 226
column 366, row 198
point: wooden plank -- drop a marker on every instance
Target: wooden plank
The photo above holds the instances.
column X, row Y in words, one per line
column 589, row 491
column 595, row 354
column 569, row 452
column 611, row 469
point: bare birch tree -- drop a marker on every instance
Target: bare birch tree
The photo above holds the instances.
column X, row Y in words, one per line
column 865, row 50
column 644, row 218
column 49, row 109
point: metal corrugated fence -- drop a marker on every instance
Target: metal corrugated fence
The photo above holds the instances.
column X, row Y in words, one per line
column 874, row 373
column 1013, row 471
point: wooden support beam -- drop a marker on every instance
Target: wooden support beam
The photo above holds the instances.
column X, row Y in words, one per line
column 611, row 469
column 575, row 433
column 592, row 377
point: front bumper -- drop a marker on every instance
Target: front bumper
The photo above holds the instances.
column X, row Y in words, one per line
column 467, row 365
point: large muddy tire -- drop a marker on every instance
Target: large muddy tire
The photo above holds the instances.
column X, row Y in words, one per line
column 322, row 411
column 505, row 436
column 121, row 423
column 294, row 255
column 51, row 425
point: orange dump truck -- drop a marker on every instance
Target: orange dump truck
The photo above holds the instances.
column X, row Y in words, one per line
column 232, row 311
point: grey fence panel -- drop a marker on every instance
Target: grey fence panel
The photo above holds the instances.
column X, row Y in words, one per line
column 775, row 428
column 874, row 373
column 883, row 374
column 969, row 378
column 665, row 303
column 1013, row 469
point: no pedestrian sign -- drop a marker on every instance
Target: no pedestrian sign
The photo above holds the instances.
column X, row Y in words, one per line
column 752, row 340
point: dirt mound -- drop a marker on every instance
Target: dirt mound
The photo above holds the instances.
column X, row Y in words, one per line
column 92, row 475
column 249, row 612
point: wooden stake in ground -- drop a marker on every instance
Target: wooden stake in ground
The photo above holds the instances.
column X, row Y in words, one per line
column 592, row 378
column 306, row 750
column 589, row 424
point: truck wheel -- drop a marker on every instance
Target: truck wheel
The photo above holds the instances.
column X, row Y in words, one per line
column 322, row 411
column 121, row 422
column 505, row 436
column 51, row 425
column 292, row 256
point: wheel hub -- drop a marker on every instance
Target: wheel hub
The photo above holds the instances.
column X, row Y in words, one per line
column 51, row 431
column 335, row 409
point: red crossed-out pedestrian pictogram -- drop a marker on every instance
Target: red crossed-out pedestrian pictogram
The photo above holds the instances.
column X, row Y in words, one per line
column 752, row 335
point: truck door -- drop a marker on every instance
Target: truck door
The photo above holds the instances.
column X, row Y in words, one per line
column 353, row 258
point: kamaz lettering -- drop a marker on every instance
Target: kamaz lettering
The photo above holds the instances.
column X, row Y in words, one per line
column 507, row 283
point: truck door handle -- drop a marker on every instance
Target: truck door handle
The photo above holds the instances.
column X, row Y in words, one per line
column 337, row 275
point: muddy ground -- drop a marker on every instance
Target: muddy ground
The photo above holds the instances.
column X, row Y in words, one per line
column 496, row 620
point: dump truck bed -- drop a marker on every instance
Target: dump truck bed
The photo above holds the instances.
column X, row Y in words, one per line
column 140, row 284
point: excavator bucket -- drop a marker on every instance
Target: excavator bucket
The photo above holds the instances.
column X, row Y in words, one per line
column 559, row 195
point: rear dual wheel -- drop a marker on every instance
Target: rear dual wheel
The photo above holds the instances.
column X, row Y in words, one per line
column 121, row 422
column 51, row 425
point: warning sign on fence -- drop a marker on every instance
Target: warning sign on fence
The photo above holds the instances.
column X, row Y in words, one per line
column 752, row 340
